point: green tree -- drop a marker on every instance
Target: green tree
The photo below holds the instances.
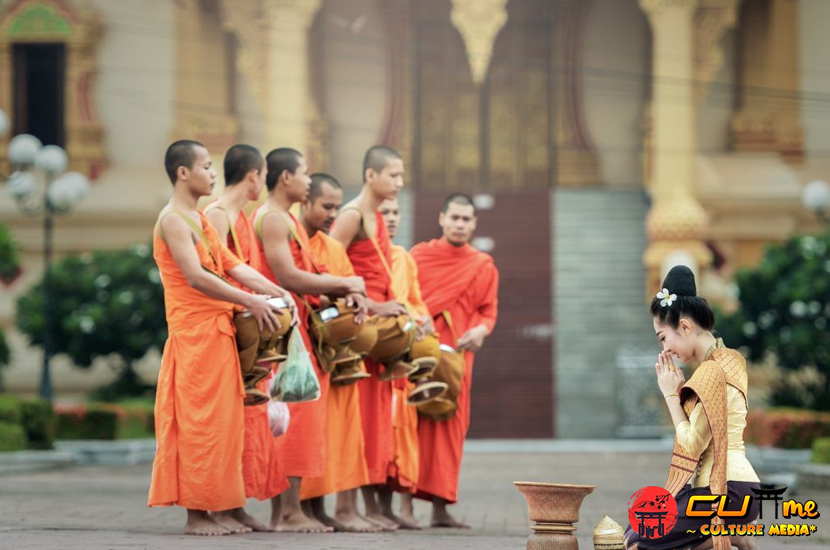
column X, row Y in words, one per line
column 105, row 304
column 785, row 310
column 9, row 269
column 9, row 258
column 5, row 355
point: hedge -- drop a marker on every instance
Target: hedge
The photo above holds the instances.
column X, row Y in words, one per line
column 81, row 422
column 35, row 416
column 786, row 428
column 12, row 437
column 821, row 451
column 127, row 420
column 40, row 423
column 10, row 406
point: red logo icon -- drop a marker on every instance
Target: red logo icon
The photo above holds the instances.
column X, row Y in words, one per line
column 652, row 511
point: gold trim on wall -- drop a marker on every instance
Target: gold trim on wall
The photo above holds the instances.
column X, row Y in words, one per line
column 80, row 30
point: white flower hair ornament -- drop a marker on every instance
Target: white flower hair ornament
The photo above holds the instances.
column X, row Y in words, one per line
column 666, row 299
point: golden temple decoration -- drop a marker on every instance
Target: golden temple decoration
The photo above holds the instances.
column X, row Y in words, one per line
column 713, row 19
column 479, row 22
column 290, row 13
column 80, row 30
column 245, row 21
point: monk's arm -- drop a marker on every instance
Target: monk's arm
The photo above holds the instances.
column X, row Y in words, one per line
column 219, row 219
column 256, row 281
column 484, row 319
column 281, row 261
column 347, row 227
column 179, row 239
column 415, row 298
column 489, row 306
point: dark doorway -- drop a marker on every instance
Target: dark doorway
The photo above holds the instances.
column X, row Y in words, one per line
column 495, row 138
column 39, row 91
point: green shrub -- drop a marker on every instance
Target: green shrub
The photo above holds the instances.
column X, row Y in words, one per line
column 10, row 409
column 786, row 428
column 134, row 418
column 39, row 422
column 107, row 304
column 82, row 422
column 821, row 451
column 783, row 313
column 12, row 437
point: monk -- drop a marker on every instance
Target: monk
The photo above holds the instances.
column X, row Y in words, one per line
column 199, row 417
column 285, row 257
column 346, row 468
column 457, row 279
column 264, row 477
column 357, row 225
column 403, row 473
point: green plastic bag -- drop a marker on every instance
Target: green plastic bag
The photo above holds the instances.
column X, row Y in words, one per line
column 296, row 381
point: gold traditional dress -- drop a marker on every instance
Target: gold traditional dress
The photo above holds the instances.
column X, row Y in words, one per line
column 708, row 456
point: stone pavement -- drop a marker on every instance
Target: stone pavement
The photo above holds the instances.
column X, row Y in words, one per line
column 104, row 507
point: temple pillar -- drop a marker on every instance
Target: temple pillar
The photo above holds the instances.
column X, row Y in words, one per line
column 769, row 114
column 676, row 223
column 289, row 113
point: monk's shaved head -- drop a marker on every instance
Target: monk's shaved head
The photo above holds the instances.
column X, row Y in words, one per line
column 319, row 180
column 458, row 198
column 377, row 158
column 180, row 153
column 239, row 160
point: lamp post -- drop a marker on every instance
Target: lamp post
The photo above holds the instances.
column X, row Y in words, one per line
column 816, row 198
column 40, row 185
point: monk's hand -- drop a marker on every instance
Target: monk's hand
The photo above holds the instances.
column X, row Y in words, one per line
column 292, row 307
column 426, row 325
column 669, row 378
column 387, row 309
column 355, row 285
column 472, row 340
column 263, row 312
column 358, row 303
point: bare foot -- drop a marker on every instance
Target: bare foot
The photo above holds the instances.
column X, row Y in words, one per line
column 247, row 520
column 227, row 519
column 446, row 520
column 315, row 508
column 201, row 524
column 406, row 522
column 298, row 522
column 351, row 522
column 383, row 522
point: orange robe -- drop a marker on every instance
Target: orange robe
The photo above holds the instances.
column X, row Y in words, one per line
column 261, row 467
column 302, row 449
column 346, row 467
column 375, row 395
column 464, row 282
column 199, row 398
column 403, row 472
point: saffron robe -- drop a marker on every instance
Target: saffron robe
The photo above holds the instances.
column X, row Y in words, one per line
column 345, row 446
column 261, row 467
column 403, row 472
column 375, row 395
column 464, row 282
column 302, row 449
column 199, row 416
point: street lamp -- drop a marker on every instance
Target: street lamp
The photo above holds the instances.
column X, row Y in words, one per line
column 816, row 198
column 40, row 186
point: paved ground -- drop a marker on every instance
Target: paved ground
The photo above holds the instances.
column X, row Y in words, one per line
column 104, row 507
